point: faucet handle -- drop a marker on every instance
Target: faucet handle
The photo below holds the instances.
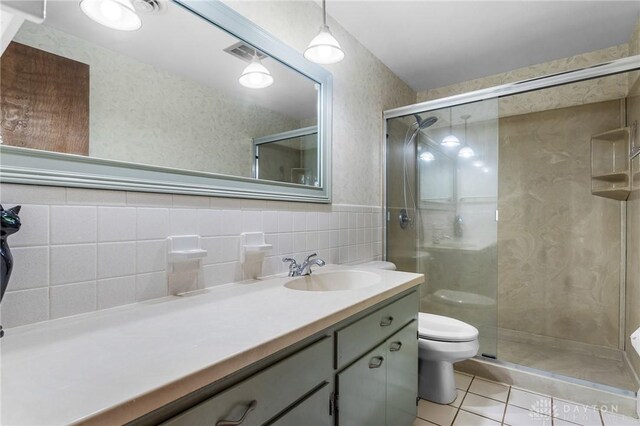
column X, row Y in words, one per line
column 293, row 265
column 310, row 256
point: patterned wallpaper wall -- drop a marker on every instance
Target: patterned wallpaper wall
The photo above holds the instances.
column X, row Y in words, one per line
column 142, row 114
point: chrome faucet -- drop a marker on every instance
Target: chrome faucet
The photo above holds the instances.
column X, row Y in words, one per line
column 296, row 270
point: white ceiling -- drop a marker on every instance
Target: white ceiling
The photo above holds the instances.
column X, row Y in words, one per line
column 431, row 44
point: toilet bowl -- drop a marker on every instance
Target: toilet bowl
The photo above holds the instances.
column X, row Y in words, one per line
column 442, row 342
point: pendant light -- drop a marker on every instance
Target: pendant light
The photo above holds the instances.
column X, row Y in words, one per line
column 324, row 48
column 427, row 156
column 450, row 141
column 115, row 14
column 466, row 151
column 256, row 75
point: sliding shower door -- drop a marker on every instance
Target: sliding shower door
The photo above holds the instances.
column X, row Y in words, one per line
column 442, row 188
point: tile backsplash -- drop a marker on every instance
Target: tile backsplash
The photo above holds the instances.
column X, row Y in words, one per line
column 82, row 250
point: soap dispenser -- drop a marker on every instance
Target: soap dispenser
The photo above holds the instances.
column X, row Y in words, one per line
column 9, row 224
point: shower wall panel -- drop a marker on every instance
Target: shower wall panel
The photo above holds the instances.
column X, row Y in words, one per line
column 632, row 298
column 558, row 245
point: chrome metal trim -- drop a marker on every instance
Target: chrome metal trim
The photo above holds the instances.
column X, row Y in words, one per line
column 562, row 377
column 600, row 70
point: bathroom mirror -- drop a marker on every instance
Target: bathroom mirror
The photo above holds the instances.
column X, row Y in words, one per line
column 163, row 108
column 288, row 157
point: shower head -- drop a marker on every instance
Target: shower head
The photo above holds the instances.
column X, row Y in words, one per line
column 427, row 122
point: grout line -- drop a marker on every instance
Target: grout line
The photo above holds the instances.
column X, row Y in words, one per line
column 506, row 404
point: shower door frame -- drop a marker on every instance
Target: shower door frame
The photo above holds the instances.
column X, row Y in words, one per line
column 618, row 66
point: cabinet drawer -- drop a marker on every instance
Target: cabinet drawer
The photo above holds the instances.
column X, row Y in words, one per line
column 313, row 411
column 359, row 337
column 272, row 389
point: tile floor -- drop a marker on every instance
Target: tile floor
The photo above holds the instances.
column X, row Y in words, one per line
column 484, row 403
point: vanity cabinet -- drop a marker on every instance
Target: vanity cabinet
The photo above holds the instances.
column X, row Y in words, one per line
column 362, row 371
column 295, row 382
column 380, row 388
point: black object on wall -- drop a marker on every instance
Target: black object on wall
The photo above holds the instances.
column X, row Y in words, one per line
column 9, row 224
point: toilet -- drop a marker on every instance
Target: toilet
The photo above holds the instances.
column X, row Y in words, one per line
column 442, row 342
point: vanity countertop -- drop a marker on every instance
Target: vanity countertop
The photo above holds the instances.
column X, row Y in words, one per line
column 112, row 366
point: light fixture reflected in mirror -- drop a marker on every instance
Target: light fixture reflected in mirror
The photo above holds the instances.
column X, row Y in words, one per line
column 115, row 14
column 450, row 141
column 427, row 156
column 256, row 75
column 478, row 163
column 466, row 151
column 324, row 48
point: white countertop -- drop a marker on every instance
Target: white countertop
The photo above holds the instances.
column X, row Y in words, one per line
column 112, row 366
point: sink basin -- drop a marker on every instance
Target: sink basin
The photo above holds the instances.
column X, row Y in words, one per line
column 333, row 281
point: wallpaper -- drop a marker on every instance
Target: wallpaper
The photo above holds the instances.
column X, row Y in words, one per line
column 142, row 114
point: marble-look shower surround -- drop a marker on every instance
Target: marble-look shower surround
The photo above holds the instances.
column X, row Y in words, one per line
column 633, row 217
column 558, row 245
column 541, row 240
column 142, row 114
column 363, row 88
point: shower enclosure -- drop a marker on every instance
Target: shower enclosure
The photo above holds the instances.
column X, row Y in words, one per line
column 520, row 204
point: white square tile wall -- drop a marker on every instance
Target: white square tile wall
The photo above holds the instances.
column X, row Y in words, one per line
column 81, row 250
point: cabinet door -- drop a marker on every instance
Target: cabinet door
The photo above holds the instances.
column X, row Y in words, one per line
column 313, row 411
column 361, row 390
column 402, row 376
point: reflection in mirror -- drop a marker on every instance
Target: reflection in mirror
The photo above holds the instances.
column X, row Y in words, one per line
column 288, row 157
column 167, row 95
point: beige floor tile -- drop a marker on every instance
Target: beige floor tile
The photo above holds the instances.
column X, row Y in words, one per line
column 489, row 389
column 559, row 422
column 613, row 419
column 421, row 422
column 516, row 416
column 576, row 413
column 462, row 381
column 530, row 401
column 439, row 414
column 465, row 418
column 483, row 406
column 459, row 398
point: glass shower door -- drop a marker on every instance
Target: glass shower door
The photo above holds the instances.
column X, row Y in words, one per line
column 442, row 190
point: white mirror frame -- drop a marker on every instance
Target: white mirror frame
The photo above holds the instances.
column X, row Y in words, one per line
column 35, row 167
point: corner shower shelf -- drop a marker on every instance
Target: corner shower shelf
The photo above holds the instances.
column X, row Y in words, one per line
column 610, row 164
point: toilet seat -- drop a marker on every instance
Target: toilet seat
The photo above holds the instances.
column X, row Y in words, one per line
column 445, row 329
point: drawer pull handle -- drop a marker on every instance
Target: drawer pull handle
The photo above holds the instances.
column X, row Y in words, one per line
column 395, row 346
column 376, row 362
column 386, row 321
column 252, row 405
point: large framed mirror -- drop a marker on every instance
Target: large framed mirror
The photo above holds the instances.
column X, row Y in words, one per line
column 166, row 108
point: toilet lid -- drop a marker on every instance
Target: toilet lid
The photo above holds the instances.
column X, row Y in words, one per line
column 445, row 329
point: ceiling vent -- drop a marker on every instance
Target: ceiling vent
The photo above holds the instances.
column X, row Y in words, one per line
column 244, row 51
column 148, row 6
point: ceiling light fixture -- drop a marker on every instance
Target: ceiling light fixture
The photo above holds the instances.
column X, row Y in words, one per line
column 427, row 156
column 256, row 75
column 115, row 14
column 324, row 48
column 466, row 151
column 450, row 141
